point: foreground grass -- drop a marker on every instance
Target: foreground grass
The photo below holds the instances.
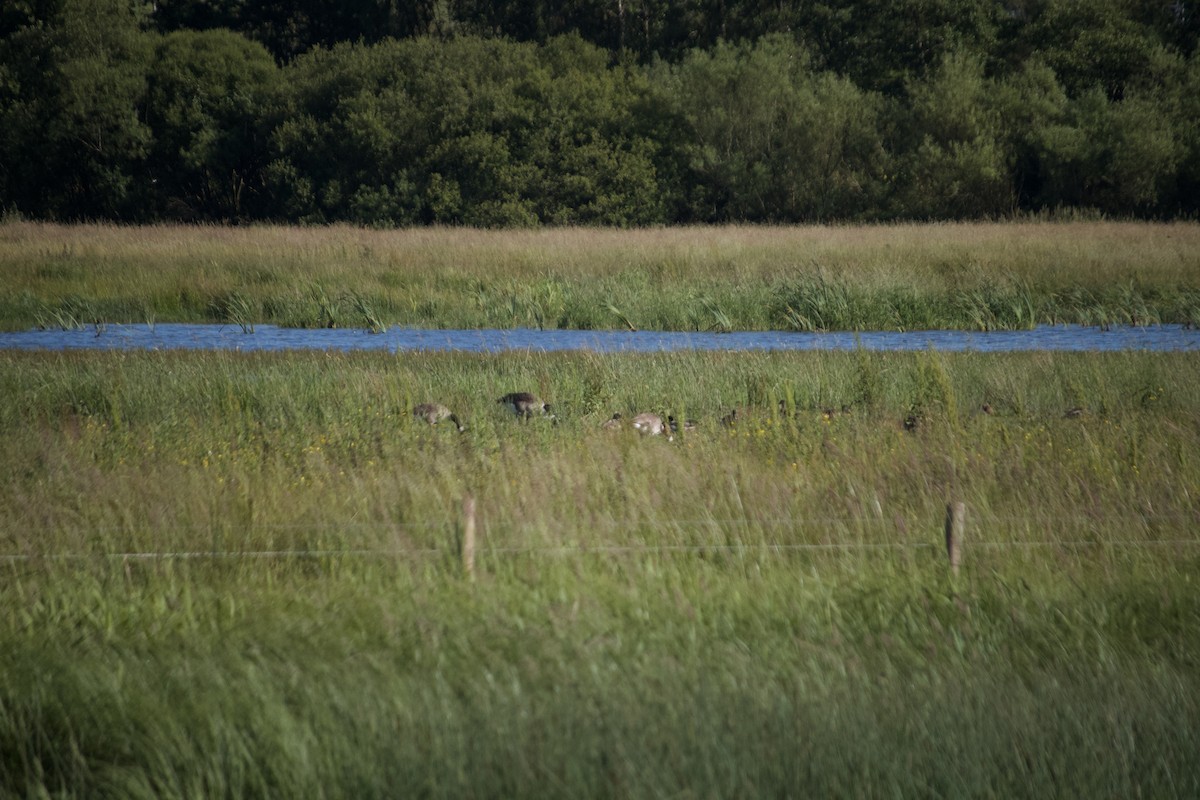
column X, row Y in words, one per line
column 238, row 575
column 907, row 277
column 639, row 677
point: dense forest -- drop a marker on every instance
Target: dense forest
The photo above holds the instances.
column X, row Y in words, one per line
column 597, row 112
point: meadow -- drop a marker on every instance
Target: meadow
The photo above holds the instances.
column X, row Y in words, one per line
column 882, row 277
column 238, row 575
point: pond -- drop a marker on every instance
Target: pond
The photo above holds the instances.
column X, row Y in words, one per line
column 270, row 337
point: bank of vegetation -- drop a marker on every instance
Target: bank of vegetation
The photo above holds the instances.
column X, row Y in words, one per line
column 626, row 114
column 974, row 276
column 239, row 575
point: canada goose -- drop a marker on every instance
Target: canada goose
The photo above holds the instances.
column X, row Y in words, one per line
column 1072, row 413
column 987, row 408
column 433, row 413
column 612, row 423
column 688, row 425
column 525, row 405
column 650, row 425
column 730, row 419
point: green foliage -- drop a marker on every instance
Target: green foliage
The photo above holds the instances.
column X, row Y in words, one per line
column 73, row 144
column 1098, row 44
column 634, row 114
column 767, row 138
column 1122, row 157
column 458, row 132
column 958, row 168
column 210, row 96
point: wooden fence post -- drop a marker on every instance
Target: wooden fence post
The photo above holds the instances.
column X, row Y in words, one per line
column 956, row 517
column 468, row 539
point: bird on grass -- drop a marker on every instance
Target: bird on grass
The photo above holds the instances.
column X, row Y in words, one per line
column 433, row 413
column 525, row 405
column 688, row 425
column 650, row 425
column 738, row 415
column 829, row 413
column 612, row 423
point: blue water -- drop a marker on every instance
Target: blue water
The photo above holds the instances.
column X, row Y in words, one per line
column 270, row 337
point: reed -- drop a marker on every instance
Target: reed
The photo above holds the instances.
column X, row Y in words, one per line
column 1010, row 275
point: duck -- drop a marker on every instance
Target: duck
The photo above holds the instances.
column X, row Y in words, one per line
column 433, row 413
column 525, row 405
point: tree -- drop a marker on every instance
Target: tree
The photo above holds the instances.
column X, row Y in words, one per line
column 210, row 96
column 956, row 162
column 885, row 45
column 1027, row 104
column 1188, row 188
column 290, row 29
column 765, row 138
column 1097, row 43
column 467, row 131
column 1120, row 157
column 74, row 140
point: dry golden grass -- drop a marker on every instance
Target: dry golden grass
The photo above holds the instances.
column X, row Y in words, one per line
column 739, row 277
column 1158, row 251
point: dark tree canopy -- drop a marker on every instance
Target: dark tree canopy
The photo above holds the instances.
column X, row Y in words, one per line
column 597, row 112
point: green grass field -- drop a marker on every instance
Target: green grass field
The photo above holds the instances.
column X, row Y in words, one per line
column 239, row 575
column 901, row 277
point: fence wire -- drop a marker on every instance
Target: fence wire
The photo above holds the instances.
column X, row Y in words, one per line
column 452, row 527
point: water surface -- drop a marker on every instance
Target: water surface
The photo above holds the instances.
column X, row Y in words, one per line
column 270, row 337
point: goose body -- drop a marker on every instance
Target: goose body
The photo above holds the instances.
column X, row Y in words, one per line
column 525, row 405
column 612, row 423
column 688, row 425
column 745, row 413
column 433, row 413
column 829, row 413
column 650, row 425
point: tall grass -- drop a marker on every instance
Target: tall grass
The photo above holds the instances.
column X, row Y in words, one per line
column 287, row 448
column 906, row 277
column 236, row 574
column 639, row 678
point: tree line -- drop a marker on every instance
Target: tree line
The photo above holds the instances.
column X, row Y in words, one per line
column 597, row 112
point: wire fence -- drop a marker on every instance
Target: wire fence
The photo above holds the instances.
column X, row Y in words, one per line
column 807, row 521
column 168, row 555
column 451, row 529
